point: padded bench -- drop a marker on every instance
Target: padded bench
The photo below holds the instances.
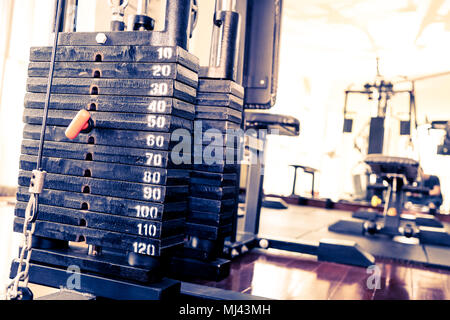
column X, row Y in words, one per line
column 286, row 125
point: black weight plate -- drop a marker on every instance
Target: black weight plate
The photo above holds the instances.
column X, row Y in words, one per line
column 118, row 206
column 218, row 133
column 112, row 120
column 210, row 218
column 110, row 171
column 111, row 70
column 217, row 167
column 211, row 154
column 108, row 154
column 108, row 264
column 220, row 86
column 187, row 268
column 213, row 179
column 218, row 113
column 225, row 127
column 108, row 222
column 219, row 100
column 127, row 190
column 213, row 206
column 121, row 87
column 117, row 53
column 210, row 192
column 207, row 232
column 213, row 182
column 215, row 138
column 105, row 137
column 108, row 239
column 127, row 104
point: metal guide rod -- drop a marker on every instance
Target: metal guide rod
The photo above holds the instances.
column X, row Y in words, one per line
column 142, row 7
column 225, row 5
column 49, row 84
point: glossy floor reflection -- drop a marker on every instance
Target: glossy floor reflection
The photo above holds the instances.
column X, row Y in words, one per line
column 283, row 275
column 280, row 275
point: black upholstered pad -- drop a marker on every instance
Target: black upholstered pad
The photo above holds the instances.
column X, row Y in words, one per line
column 381, row 164
column 286, row 125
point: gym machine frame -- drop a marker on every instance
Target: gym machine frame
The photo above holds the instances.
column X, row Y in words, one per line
column 260, row 82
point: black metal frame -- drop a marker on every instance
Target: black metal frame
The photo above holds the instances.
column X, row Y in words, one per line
column 425, row 228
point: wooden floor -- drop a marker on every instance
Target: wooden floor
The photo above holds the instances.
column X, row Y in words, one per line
column 282, row 275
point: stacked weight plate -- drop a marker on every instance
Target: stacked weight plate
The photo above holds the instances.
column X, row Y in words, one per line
column 116, row 187
column 214, row 180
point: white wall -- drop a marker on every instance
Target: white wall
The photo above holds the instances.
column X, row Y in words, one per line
column 328, row 45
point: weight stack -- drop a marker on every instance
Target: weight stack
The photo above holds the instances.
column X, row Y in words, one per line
column 214, row 179
column 115, row 191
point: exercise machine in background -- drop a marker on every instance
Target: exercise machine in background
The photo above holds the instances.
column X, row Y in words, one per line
column 400, row 175
column 444, row 148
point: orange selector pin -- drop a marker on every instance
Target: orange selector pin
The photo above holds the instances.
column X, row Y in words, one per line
column 78, row 124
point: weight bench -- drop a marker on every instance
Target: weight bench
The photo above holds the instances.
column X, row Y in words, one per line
column 399, row 173
column 346, row 252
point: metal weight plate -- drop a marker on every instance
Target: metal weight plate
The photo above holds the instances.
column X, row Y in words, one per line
column 218, row 113
column 211, row 206
column 213, row 179
column 121, row 87
column 207, row 232
column 219, row 167
column 111, row 70
column 220, row 86
column 110, row 205
column 211, row 192
column 108, row 239
column 211, row 154
column 108, row 222
column 106, row 137
column 224, row 127
column 106, row 263
column 110, row 171
column 219, row 100
column 107, row 154
column 126, row 104
column 127, row 190
column 112, row 120
column 157, row 54
column 210, row 218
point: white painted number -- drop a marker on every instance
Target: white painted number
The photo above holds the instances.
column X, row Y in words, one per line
column 153, row 159
column 146, row 212
column 162, row 70
column 157, row 106
column 154, row 121
column 148, row 230
column 160, row 89
column 152, row 141
column 143, row 248
column 152, row 193
column 165, row 53
column 152, row 177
